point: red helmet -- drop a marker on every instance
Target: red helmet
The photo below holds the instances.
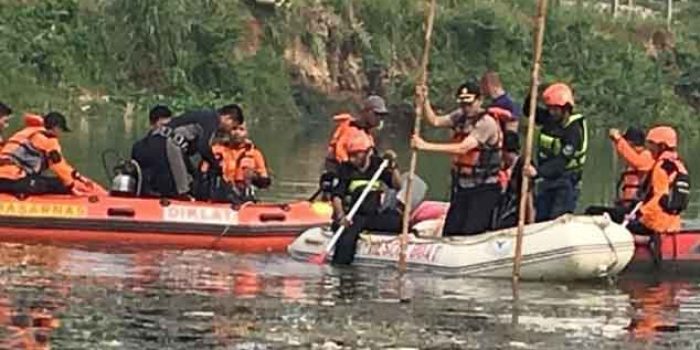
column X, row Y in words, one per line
column 558, row 94
column 663, row 135
column 359, row 142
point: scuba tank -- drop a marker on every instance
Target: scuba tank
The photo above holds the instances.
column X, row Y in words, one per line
column 126, row 180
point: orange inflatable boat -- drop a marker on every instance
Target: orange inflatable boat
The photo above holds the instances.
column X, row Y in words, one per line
column 142, row 222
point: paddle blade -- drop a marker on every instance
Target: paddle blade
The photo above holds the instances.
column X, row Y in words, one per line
column 318, row 259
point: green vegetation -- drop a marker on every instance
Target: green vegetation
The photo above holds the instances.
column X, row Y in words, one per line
column 276, row 61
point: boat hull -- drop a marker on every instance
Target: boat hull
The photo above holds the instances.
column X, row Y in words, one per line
column 679, row 253
column 155, row 223
column 569, row 248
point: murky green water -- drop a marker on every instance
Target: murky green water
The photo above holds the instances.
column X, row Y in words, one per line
column 203, row 299
column 82, row 299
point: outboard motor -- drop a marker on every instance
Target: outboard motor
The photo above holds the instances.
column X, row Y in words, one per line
column 126, row 179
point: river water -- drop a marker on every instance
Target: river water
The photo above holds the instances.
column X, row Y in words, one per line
column 91, row 298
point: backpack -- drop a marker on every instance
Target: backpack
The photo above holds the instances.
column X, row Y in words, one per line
column 678, row 197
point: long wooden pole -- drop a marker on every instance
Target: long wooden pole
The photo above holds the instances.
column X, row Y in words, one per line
column 525, row 188
column 419, row 102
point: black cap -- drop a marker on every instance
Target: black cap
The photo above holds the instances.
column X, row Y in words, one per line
column 468, row 92
column 55, row 119
column 5, row 110
column 635, row 136
column 376, row 104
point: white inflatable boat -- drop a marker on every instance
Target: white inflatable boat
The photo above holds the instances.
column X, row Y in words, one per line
column 568, row 248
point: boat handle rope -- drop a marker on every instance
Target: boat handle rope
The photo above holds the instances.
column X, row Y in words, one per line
column 615, row 259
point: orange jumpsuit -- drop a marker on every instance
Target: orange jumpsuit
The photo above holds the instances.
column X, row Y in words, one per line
column 34, row 149
column 653, row 215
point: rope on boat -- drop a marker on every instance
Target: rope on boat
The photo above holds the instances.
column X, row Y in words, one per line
column 603, row 225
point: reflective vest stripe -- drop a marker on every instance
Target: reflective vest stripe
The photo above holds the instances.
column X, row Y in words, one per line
column 550, row 146
column 357, row 184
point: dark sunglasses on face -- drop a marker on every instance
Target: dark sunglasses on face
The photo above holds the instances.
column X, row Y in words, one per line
column 381, row 115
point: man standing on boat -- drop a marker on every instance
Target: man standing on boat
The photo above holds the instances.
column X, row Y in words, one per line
column 500, row 99
column 171, row 146
column 353, row 176
column 667, row 188
column 476, row 151
column 5, row 113
column 34, row 149
column 158, row 116
column 562, row 146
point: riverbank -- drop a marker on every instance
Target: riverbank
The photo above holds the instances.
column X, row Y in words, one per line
column 307, row 59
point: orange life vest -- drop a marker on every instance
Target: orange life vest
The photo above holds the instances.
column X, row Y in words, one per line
column 481, row 162
column 504, row 177
column 29, row 120
column 341, row 127
column 639, row 163
column 33, row 120
column 31, row 151
column 344, row 131
column 630, row 185
column 503, row 116
column 236, row 161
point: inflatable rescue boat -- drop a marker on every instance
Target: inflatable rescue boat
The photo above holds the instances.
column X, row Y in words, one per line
column 568, row 248
column 253, row 227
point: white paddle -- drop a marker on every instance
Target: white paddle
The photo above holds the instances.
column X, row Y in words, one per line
column 321, row 257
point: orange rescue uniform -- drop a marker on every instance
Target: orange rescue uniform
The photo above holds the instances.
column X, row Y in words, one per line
column 31, row 151
column 654, row 216
column 238, row 160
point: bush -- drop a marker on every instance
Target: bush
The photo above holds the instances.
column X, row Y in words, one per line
column 189, row 53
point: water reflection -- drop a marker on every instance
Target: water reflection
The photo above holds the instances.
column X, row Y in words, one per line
column 28, row 301
column 179, row 299
column 656, row 307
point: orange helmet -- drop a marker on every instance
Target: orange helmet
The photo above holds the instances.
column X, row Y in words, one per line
column 558, row 94
column 663, row 135
column 359, row 142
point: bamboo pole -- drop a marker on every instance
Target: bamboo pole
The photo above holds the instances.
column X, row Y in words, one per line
column 422, row 80
column 669, row 14
column 525, row 188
